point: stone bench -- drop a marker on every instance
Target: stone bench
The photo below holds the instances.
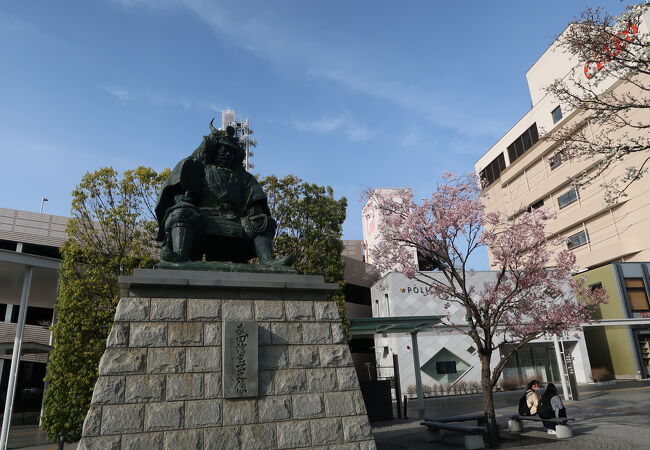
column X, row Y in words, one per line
column 562, row 430
column 480, row 419
column 473, row 433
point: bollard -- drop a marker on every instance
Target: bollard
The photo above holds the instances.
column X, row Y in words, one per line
column 406, row 399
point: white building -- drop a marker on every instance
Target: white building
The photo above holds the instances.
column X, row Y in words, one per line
column 447, row 356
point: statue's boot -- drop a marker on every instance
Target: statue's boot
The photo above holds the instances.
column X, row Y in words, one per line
column 264, row 252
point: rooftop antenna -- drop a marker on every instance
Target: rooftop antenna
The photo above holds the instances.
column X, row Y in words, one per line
column 43, row 200
column 243, row 131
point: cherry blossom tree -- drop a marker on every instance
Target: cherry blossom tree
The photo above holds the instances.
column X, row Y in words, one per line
column 611, row 92
column 531, row 294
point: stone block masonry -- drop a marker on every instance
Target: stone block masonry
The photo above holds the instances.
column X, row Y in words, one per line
column 160, row 382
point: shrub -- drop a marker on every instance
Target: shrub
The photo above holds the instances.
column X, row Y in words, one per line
column 599, row 374
column 411, row 390
column 511, row 383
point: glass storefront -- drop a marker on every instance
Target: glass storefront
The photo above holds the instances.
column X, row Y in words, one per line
column 535, row 361
column 29, row 391
column 644, row 344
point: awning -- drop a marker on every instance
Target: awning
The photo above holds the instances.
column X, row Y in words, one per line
column 384, row 325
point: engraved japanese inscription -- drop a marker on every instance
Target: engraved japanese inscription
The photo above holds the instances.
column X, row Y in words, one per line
column 240, row 358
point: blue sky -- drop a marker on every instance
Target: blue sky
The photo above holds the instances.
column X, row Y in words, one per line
column 352, row 94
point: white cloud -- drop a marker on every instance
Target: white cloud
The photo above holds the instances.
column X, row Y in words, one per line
column 342, row 123
column 338, row 58
column 320, row 126
column 161, row 99
column 413, row 138
column 120, row 93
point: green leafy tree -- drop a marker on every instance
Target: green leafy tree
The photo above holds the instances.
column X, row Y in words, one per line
column 310, row 221
column 111, row 232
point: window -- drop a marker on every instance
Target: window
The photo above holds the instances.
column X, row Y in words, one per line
column 523, row 143
column 577, row 240
column 535, row 206
column 593, row 287
column 567, row 198
column 446, row 367
column 557, row 114
column 636, row 295
column 493, row 171
column 556, row 160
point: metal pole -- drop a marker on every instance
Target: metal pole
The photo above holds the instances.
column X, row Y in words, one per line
column 418, row 377
column 15, row 359
column 560, row 366
column 398, row 386
column 45, row 383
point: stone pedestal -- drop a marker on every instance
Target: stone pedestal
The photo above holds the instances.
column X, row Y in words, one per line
column 160, row 382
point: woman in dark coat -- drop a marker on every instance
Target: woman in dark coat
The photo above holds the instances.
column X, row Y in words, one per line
column 551, row 406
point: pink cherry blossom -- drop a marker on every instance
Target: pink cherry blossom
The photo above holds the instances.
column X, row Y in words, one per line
column 532, row 292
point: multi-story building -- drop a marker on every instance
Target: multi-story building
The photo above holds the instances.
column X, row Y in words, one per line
column 29, row 255
column 620, row 341
column 524, row 171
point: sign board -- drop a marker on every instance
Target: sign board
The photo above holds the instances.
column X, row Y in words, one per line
column 571, row 375
column 240, row 365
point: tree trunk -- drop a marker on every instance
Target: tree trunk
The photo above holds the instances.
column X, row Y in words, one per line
column 488, row 401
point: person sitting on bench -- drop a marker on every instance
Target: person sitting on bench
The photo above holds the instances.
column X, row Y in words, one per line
column 551, row 406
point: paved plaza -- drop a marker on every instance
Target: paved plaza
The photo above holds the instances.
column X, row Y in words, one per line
column 608, row 416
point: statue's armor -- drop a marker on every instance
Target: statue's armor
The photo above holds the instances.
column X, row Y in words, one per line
column 184, row 228
column 215, row 212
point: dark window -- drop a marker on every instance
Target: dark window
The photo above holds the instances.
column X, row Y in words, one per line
column 523, row 143
column 595, row 286
column 534, row 135
column 636, row 294
column 42, row 250
column 445, row 367
column 427, row 263
column 493, row 170
column 567, row 198
column 527, row 141
column 535, row 206
column 557, row 114
column 8, row 245
column 356, row 294
column 556, row 160
column 577, row 240
column 39, row 316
